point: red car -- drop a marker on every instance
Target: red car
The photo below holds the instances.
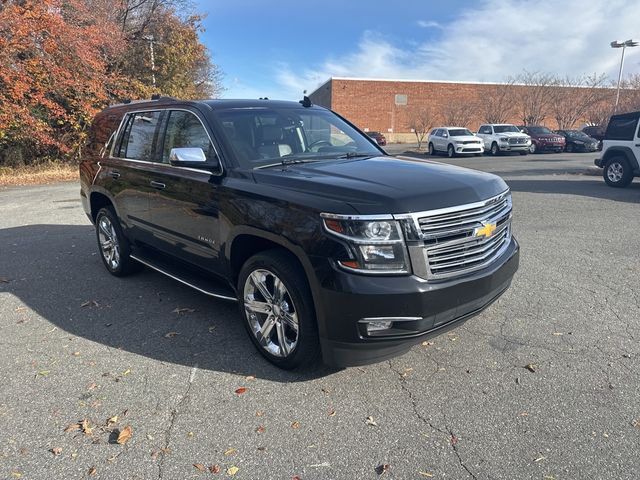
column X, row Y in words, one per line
column 378, row 137
column 543, row 139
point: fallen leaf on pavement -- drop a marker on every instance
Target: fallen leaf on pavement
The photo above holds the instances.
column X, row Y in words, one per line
column 183, row 310
column 531, row 367
column 92, row 471
column 426, row 344
column 56, row 451
column 171, row 334
column 260, row 429
column 370, row 421
column 295, row 425
column 15, row 474
column 72, row 428
column 200, row 467
column 636, row 423
column 230, row 451
column 126, row 372
column 426, row 474
column 124, row 435
column 86, row 428
column 259, row 413
column 4, row 280
column 241, row 390
column 249, row 378
column 214, row 468
column 296, row 477
column 454, row 440
column 90, row 303
column 540, row 458
column 332, row 413
column 112, row 420
column 43, row 373
column 382, row 468
column 232, row 470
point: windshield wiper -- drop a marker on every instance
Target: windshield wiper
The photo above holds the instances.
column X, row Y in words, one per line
column 285, row 161
column 355, row 155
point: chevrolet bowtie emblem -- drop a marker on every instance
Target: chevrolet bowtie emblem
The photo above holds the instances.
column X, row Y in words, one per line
column 486, row 230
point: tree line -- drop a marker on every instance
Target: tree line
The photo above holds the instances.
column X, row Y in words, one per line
column 532, row 98
column 64, row 60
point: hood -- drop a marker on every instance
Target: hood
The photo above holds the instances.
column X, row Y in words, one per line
column 465, row 138
column 379, row 185
column 511, row 134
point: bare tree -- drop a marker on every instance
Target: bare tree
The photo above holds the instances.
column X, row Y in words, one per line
column 421, row 119
column 496, row 102
column 535, row 96
column 458, row 112
column 630, row 94
column 573, row 97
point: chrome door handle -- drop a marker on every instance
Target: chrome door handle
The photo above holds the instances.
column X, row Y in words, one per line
column 115, row 175
column 158, row 185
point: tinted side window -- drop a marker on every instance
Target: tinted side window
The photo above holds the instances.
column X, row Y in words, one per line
column 621, row 128
column 137, row 139
column 185, row 130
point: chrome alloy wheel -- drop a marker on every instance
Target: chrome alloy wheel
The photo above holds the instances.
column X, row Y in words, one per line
column 271, row 313
column 615, row 171
column 109, row 247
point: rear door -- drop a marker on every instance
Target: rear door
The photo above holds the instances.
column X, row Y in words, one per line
column 125, row 173
column 184, row 202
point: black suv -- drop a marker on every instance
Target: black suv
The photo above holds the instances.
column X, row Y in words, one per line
column 330, row 246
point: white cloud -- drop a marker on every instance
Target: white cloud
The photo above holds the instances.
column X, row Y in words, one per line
column 491, row 41
column 428, row 24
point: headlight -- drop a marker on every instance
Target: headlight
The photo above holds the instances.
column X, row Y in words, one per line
column 376, row 244
column 504, row 139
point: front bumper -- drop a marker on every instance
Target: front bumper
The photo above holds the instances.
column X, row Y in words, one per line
column 550, row 147
column 424, row 309
column 469, row 148
column 516, row 147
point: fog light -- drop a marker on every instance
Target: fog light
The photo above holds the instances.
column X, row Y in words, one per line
column 378, row 325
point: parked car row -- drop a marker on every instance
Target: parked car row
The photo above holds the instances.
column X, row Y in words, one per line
column 496, row 138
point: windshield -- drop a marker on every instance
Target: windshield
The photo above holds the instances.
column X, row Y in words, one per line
column 270, row 136
column 505, row 128
column 459, row 132
column 577, row 133
column 539, row 130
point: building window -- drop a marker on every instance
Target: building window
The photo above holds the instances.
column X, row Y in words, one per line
column 401, row 99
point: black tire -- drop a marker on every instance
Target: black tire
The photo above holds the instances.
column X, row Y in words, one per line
column 524, row 153
column 432, row 151
column 569, row 148
column 298, row 300
column 617, row 172
column 494, row 149
column 108, row 229
column 451, row 152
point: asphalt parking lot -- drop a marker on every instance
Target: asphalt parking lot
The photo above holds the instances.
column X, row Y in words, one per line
column 545, row 384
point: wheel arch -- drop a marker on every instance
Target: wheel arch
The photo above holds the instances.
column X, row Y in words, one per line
column 98, row 200
column 622, row 151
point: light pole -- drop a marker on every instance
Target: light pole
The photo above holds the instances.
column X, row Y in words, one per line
column 623, row 46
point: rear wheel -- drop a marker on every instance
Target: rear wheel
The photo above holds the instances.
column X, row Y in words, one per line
column 617, row 172
column 277, row 307
column 432, row 150
column 451, row 151
column 115, row 249
column 494, row 149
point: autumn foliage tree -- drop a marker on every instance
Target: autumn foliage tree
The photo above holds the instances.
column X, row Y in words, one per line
column 64, row 60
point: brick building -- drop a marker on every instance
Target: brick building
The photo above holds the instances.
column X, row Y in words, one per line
column 386, row 105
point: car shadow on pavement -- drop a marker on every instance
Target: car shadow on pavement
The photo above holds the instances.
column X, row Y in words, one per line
column 55, row 271
column 586, row 188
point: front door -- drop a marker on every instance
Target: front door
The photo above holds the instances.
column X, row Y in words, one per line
column 184, row 202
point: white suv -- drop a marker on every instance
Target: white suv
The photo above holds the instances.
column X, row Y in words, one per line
column 454, row 141
column 621, row 150
column 504, row 138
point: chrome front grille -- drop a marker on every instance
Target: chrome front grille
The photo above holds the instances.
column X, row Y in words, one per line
column 452, row 244
column 517, row 140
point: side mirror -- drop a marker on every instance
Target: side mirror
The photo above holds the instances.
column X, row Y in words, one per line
column 192, row 157
column 445, row 135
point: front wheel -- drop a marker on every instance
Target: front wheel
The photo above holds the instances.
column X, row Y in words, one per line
column 432, row 150
column 278, row 312
column 494, row 149
column 617, row 172
column 451, row 151
column 114, row 247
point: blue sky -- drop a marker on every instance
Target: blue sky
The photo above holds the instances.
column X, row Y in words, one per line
column 279, row 48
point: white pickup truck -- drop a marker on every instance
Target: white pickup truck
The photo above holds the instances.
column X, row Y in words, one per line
column 504, row 138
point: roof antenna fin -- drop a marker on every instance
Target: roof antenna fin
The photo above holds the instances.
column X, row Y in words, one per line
column 306, row 102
